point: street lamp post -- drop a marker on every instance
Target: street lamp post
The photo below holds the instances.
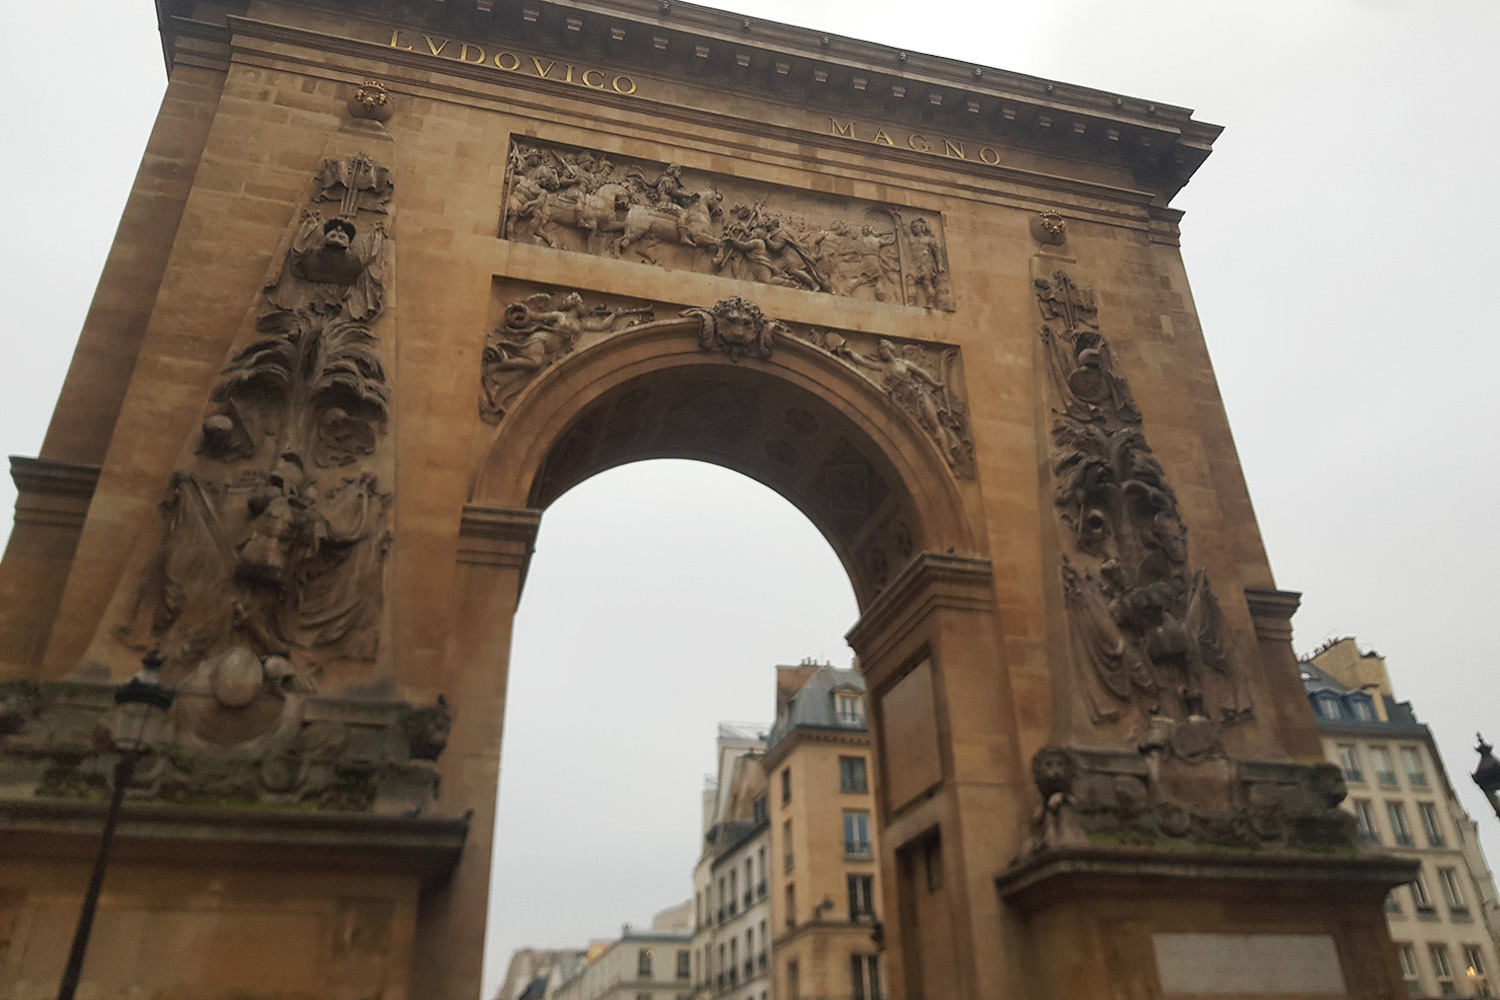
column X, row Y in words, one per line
column 137, row 701
column 1487, row 774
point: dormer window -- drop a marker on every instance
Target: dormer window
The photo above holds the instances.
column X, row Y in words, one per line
column 1362, row 708
column 1328, row 707
column 848, row 708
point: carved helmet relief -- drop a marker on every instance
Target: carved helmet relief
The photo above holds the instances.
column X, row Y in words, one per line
column 588, row 201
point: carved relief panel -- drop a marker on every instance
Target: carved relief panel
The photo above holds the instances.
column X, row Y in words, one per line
column 1145, row 628
column 603, row 204
column 271, row 561
column 736, row 415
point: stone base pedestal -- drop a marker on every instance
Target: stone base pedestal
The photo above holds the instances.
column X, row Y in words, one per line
column 218, row 904
column 1146, row 924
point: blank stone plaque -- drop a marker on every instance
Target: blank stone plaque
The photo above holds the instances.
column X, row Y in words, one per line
column 1242, row 964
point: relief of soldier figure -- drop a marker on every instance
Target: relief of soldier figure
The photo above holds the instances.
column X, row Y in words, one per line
column 591, row 202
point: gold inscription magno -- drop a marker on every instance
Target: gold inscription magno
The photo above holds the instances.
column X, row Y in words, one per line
column 882, row 135
column 510, row 62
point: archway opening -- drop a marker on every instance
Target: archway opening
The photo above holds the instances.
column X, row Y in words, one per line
column 660, row 598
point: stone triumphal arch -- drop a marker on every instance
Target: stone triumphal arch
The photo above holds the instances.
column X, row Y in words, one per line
column 395, row 275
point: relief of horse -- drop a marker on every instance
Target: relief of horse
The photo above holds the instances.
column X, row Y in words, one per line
column 696, row 225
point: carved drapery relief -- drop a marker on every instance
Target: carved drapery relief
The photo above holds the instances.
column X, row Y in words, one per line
column 535, row 333
column 608, row 205
column 1145, row 627
column 272, row 554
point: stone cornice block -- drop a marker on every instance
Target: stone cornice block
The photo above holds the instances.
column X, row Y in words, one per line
column 931, row 580
column 424, row 847
column 1271, row 611
column 1072, row 873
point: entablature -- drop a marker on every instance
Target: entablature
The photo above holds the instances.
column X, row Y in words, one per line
column 886, row 96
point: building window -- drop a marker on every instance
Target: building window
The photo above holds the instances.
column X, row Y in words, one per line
column 849, row 709
column 734, row 903
column 864, row 977
column 1411, row 761
column 1448, row 879
column 861, row 896
column 684, row 965
column 760, row 887
column 643, row 963
column 1385, row 771
column 793, row 982
column 852, row 775
column 791, row 905
column 1430, row 828
column 1392, row 904
column 1364, row 818
column 1328, row 706
column 1349, row 761
column 786, row 845
column 1441, row 969
column 1474, row 970
column 758, row 810
column 1396, row 813
column 1408, row 958
column 786, row 785
column 1361, row 708
column 1420, row 897
column 856, row 833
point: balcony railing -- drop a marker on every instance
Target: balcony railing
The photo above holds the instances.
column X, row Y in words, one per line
column 749, row 968
column 856, row 848
column 721, row 915
column 733, row 907
column 1386, row 778
column 760, row 961
column 760, row 890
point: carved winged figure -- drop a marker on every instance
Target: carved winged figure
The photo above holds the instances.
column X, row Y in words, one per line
column 930, row 399
column 535, row 333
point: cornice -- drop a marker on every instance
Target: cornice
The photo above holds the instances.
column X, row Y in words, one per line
column 66, row 479
column 1272, row 611
column 1161, row 144
column 801, row 734
column 931, row 579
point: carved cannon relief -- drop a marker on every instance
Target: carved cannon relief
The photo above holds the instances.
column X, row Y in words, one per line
column 607, row 205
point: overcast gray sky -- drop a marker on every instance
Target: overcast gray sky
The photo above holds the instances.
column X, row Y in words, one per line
column 1340, row 242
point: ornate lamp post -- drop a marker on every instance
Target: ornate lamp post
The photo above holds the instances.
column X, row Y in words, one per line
column 137, row 702
column 1487, row 774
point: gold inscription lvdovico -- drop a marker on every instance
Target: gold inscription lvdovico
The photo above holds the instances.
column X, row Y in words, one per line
column 881, row 135
column 509, row 62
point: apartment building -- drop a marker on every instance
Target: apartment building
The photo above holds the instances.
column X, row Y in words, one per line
column 731, row 905
column 1445, row 922
column 640, row 965
column 825, row 889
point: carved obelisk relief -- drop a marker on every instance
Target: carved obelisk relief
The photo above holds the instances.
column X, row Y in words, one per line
column 1144, row 624
column 270, row 567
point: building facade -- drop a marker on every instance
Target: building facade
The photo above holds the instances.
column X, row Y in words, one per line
column 1444, row 922
column 641, row 965
column 825, row 907
column 731, row 949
